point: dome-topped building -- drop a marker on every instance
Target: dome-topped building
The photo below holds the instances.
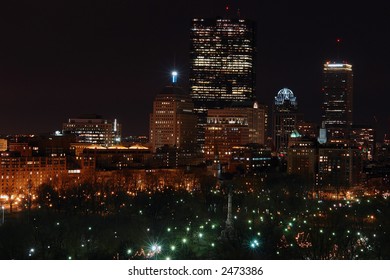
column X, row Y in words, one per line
column 285, row 97
column 285, row 116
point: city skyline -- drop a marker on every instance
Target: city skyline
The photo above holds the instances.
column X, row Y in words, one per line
column 60, row 60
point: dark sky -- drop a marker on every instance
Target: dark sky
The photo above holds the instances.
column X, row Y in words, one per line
column 59, row 59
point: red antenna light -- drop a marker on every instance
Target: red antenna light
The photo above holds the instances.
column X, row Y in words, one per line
column 338, row 40
column 227, row 8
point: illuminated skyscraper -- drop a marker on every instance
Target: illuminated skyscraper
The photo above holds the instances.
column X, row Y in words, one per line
column 338, row 95
column 285, row 116
column 222, row 64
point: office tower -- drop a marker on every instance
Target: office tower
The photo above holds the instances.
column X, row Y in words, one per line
column 233, row 126
column 173, row 122
column 94, row 129
column 285, row 117
column 222, row 65
column 338, row 95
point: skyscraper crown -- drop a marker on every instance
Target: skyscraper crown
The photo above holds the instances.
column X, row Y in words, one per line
column 285, row 95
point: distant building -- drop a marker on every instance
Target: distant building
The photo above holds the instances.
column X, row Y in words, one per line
column 94, row 129
column 302, row 157
column 134, row 139
column 339, row 167
column 222, row 65
column 257, row 120
column 23, row 149
column 173, row 121
column 231, row 127
column 307, row 128
column 174, row 157
column 364, row 137
column 285, row 118
column 18, row 173
column 117, row 157
column 337, row 100
column 250, row 158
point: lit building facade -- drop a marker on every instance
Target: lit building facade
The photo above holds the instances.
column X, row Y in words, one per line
column 302, row 157
column 285, row 118
column 307, row 128
column 231, row 127
column 19, row 173
column 3, row 145
column 117, row 157
column 338, row 100
column 94, row 129
column 222, row 64
column 364, row 137
column 339, row 167
column 173, row 122
column 250, row 158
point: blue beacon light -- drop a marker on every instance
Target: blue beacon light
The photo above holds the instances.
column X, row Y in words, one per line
column 174, row 77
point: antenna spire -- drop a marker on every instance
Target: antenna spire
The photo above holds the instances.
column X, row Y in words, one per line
column 227, row 8
column 338, row 43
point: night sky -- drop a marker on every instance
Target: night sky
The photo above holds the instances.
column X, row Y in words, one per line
column 60, row 59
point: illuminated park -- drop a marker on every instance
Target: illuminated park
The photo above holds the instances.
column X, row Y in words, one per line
column 279, row 222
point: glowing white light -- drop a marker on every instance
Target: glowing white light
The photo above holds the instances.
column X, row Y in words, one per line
column 335, row 65
column 174, row 76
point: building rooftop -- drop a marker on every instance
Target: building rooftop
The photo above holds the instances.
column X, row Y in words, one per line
column 172, row 89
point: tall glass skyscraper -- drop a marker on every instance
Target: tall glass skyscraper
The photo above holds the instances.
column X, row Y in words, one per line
column 338, row 96
column 222, row 64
